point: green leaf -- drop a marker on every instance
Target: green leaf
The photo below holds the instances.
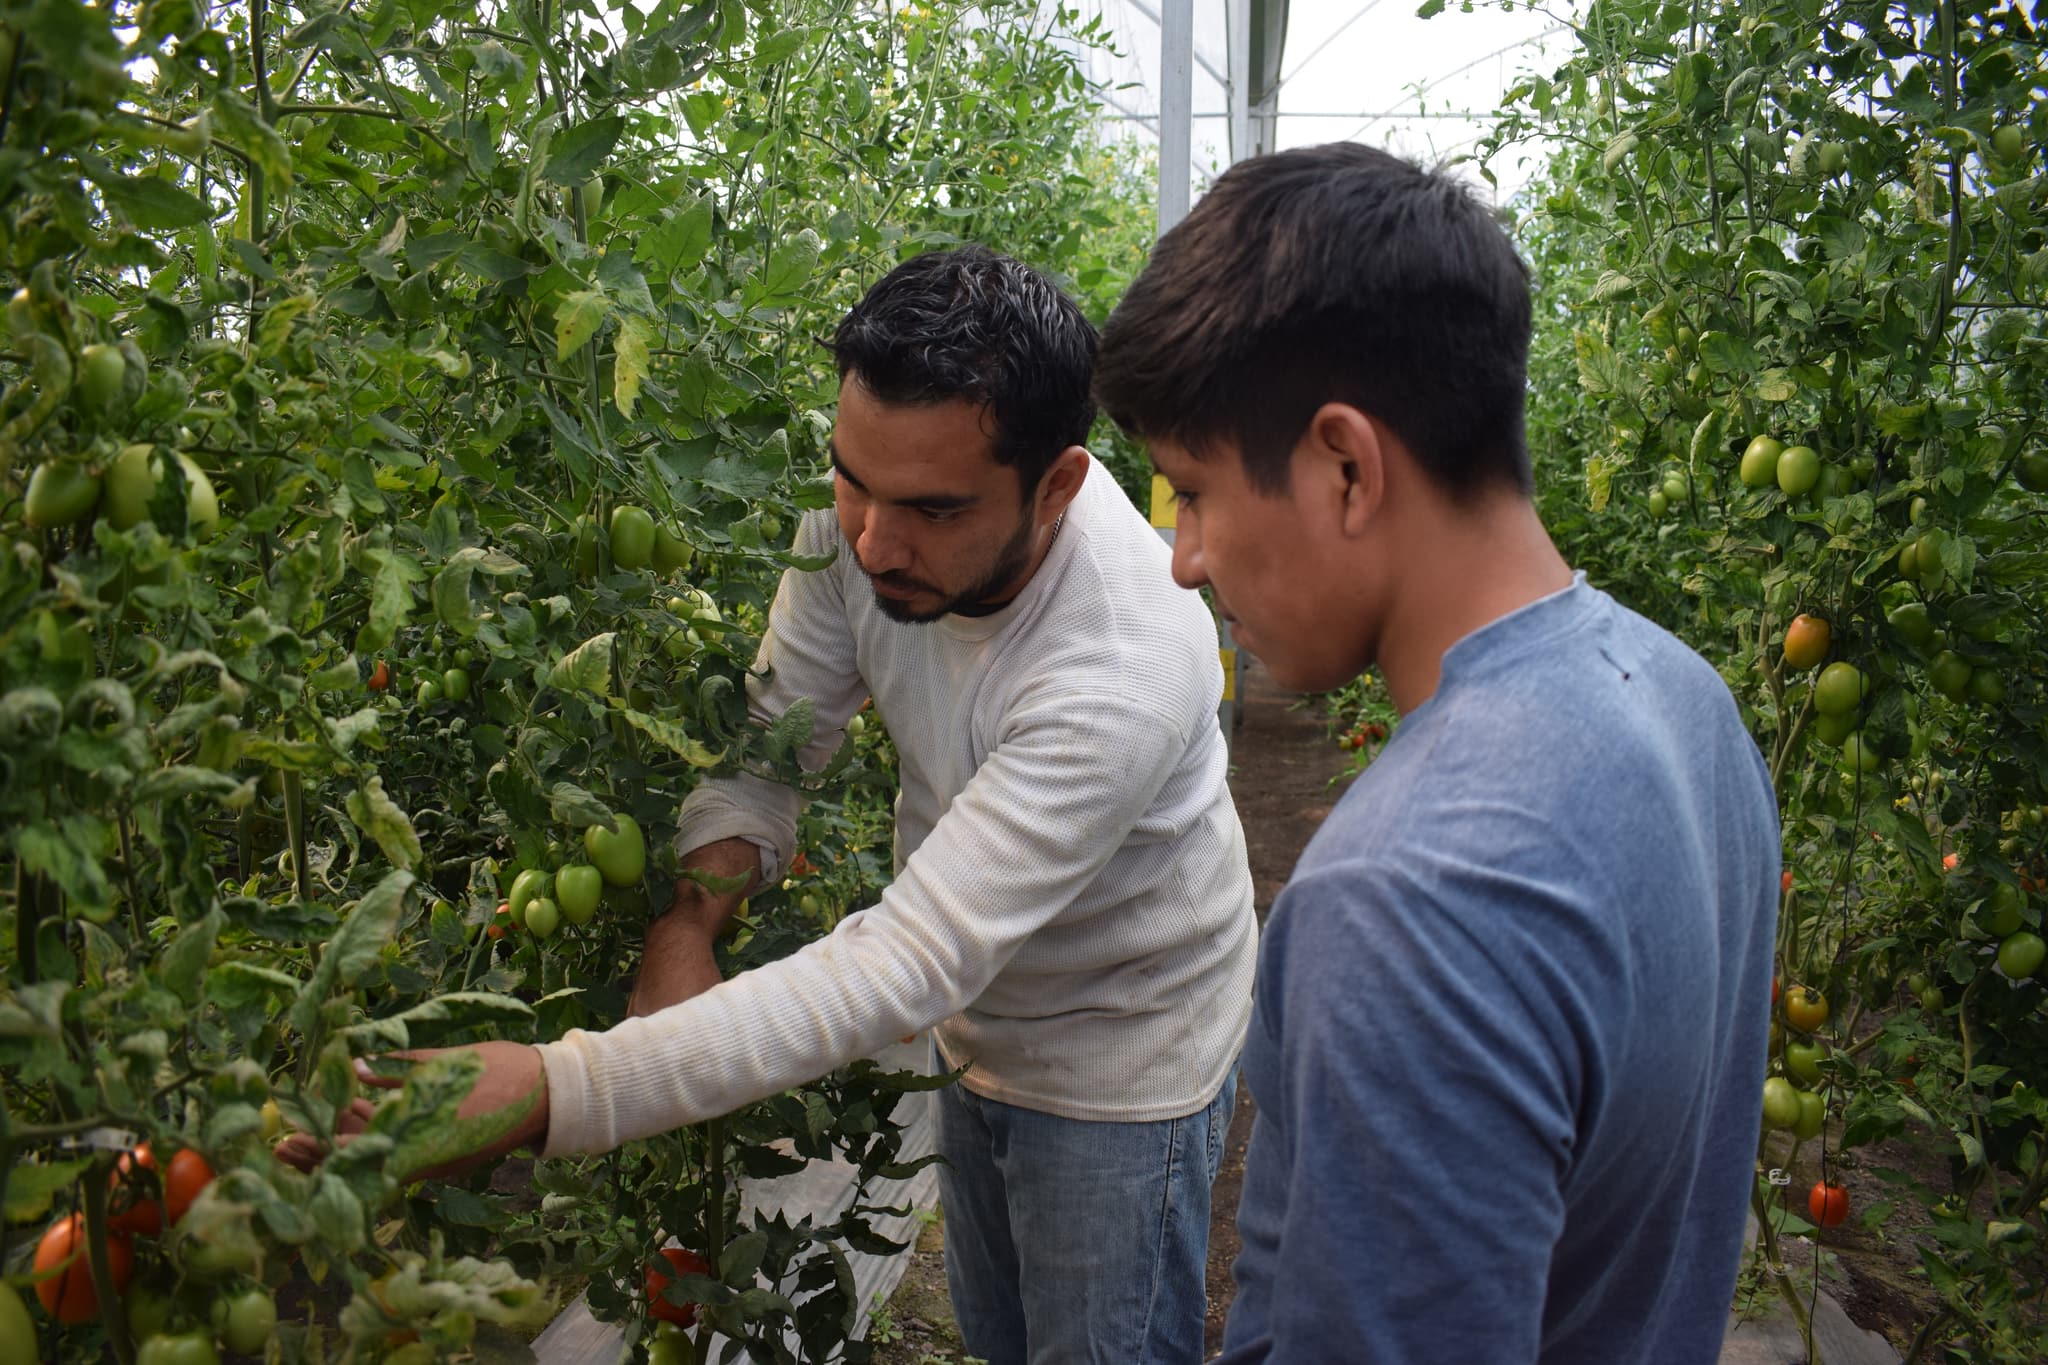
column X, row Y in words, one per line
column 682, row 237
column 152, row 203
column 1776, row 385
column 570, row 805
column 577, row 318
column 33, row 1186
column 672, row 737
column 183, row 964
column 788, row 270
column 586, row 668
column 378, row 816
column 364, row 931
column 577, row 152
column 1725, row 353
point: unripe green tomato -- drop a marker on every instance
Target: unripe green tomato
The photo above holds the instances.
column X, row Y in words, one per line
column 130, row 483
column 2002, row 909
column 59, row 494
column 429, row 693
column 1860, row 756
column 1932, row 1000
column 1759, row 467
column 17, row 1328
column 1832, row 158
column 455, row 684
column 622, row 856
column 771, row 526
column 632, row 536
column 1674, row 487
column 1659, row 504
column 2031, row 469
column 528, row 887
column 1840, row 689
column 856, row 727
column 593, row 197
column 1949, row 675
column 202, row 504
column 543, row 917
column 1832, row 730
column 672, row 553
column 21, row 315
column 245, row 1322
column 2020, row 956
column 191, row 1348
column 101, row 370
column 810, row 905
column 1986, row 687
column 2009, row 143
column 578, row 888
column 586, row 547
column 1781, row 1103
column 1798, row 470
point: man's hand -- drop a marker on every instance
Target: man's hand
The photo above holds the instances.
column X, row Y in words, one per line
column 679, row 960
column 513, row 1088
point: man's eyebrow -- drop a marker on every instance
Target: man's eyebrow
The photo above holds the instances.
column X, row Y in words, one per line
column 931, row 502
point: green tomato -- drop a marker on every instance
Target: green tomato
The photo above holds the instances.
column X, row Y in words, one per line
column 672, row 553
column 455, row 684
column 2009, row 143
column 621, row 857
column 191, row 1348
column 202, row 504
column 1832, row 159
column 1781, row 1103
column 2020, row 956
column 543, row 916
column 17, row 1328
column 632, row 537
column 771, row 526
column 131, row 482
column 1932, row 1000
column 1914, row 625
column 429, row 693
column 2032, row 471
column 1759, row 468
column 1833, row 730
column 101, row 370
column 59, row 494
column 578, row 888
column 1949, row 675
column 856, row 727
column 1802, row 1061
column 528, row 887
column 21, row 315
column 1674, row 487
column 1798, row 470
column 1860, row 755
column 2002, row 909
column 586, row 547
column 1840, row 689
column 246, row 1321
column 1659, row 504
column 669, row 1347
column 1813, row 1116
column 1986, row 687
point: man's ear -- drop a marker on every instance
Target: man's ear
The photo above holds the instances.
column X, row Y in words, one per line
column 1343, row 457
column 1061, row 483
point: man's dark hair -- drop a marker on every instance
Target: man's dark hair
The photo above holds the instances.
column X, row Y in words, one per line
column 971, row 324
column 1329, row 274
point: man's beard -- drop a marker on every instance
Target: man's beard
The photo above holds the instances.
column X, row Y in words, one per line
column 1010, row 562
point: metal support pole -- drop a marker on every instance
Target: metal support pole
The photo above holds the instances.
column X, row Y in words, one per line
column 1176, row 107
column 1240, row 15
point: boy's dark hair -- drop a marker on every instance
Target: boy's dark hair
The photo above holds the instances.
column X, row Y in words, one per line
column 1329, row 274
column 971, row 324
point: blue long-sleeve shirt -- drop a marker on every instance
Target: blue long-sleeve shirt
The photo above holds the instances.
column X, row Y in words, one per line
column 1510, row 1026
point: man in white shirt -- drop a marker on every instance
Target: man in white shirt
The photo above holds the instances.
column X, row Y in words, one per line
column 1072, row 910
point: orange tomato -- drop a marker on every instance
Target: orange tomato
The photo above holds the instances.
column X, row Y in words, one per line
column 1785, row 880
column 1806, row 1009
column 1806, row 641
column 68, row 1295
column 496, row 928
column 128, row 1201
column 380, row 677
column 184, row 1178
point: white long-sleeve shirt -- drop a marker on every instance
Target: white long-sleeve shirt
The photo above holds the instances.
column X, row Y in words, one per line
column 1072, row 908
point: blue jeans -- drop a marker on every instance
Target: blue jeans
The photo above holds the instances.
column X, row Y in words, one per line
column 1071, row 1241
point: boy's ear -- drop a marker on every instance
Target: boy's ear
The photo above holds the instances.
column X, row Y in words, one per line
column 1342, row 456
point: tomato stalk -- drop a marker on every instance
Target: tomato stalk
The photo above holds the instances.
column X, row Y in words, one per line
column 714, row 1138
column 295, row 832
column 1774, row 1267
column 103, row 1286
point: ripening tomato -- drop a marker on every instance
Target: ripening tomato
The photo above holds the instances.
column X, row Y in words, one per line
column 681, row 1263
column 68, row 1295
column 1806, row 1009
column 496, row 928
column 1785, row 882
column 184, row 1178
column 380, row 677
column 131, row 1205
column 1806, row 641
column 1829, row 1204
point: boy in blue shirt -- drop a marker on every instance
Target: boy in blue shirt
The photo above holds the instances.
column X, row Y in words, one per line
column 1511, row 1010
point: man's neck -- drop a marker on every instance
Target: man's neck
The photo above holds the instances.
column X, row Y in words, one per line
column 1468, row 570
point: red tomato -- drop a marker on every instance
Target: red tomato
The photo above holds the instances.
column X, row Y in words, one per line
column 184, row 1178
column 799, row 866
column 68, row 1295
column 1774, row 992
column 1829, row 1204
column 1949, row 861
column 681, row 1263
column 1785, row 881
column 129, row 1205
column 380, row 677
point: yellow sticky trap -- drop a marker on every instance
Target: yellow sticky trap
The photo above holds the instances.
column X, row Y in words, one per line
column 1164, row 509
column 1229, row 657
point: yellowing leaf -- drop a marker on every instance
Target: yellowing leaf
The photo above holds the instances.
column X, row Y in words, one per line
column 629, row 364
column 577, row 319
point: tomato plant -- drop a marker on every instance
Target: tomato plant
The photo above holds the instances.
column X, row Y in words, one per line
column 1797, row 273
column 471, row 347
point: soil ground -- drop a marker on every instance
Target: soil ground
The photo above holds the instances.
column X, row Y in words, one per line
column 1286, row 774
